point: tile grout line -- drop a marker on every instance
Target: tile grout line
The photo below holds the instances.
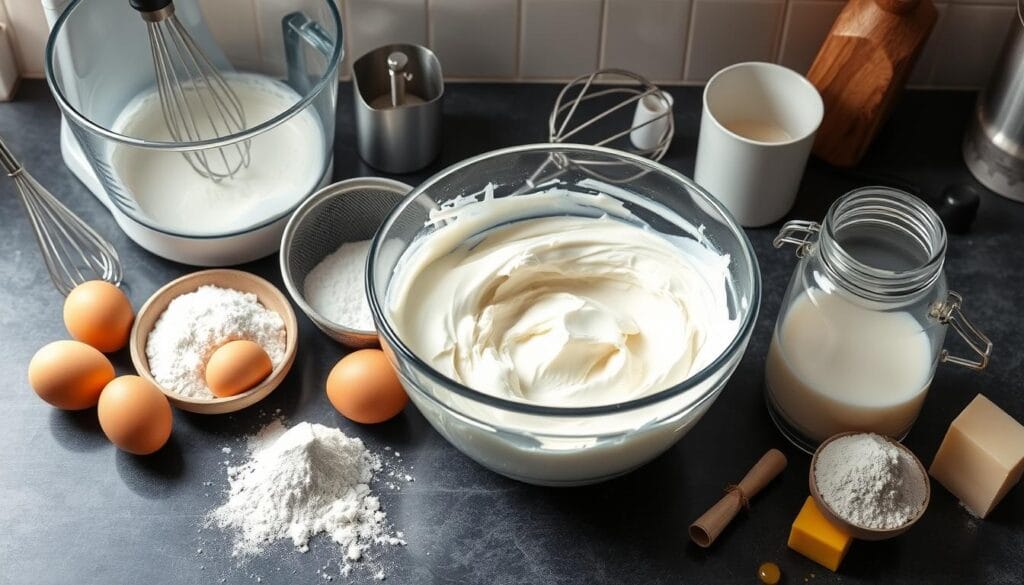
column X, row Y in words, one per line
column 346, row 39
column 601, row 32
column 602, row 46
column 929, row 77
column 517, row 73
column 15, row 43
column 258, row 17
column 689, row 41
column 783, row 35
column 429, row 27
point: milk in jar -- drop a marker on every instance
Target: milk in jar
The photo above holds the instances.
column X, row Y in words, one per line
column 834, row 366
column 862, row 325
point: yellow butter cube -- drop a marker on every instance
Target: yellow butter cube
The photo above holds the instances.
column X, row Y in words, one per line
column 818, row 539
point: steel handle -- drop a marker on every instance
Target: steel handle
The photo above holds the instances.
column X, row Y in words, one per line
column 298, row 28
column 800, row 233
column 949, row 312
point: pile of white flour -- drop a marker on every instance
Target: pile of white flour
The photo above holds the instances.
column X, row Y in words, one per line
column 335, row 287
column 869, row 482
column 195, row 324
column 299, row 482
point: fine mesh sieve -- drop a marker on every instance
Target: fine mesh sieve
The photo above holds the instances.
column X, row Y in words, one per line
column 348, row 211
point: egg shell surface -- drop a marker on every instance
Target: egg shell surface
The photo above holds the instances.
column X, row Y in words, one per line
column 237, row 366
column 135, row 415
column 99, row 314
column 69, row 374
column 364, row 387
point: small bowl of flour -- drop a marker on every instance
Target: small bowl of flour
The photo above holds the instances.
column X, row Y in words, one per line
column 184, row 322
column 870, row 485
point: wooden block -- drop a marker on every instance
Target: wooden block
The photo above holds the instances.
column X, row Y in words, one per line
column 982, row 456
column 862, row 67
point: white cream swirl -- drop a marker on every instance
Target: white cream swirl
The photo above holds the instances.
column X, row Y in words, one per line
column 559, row 310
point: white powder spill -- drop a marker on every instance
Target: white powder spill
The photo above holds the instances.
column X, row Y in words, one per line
column 302, row 481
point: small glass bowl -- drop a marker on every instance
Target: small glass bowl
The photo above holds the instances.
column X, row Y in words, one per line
column 551, row 445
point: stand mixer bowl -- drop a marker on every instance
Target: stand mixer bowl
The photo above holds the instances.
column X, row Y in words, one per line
column 98, row 66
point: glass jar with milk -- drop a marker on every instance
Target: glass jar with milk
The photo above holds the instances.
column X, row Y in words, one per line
column 861, row 327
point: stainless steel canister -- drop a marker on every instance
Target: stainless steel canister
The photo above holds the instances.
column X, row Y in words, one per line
column 398, row 91
column 994, row 144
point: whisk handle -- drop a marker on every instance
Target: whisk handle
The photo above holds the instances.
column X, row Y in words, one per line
column 11, row 164
column 149, row 5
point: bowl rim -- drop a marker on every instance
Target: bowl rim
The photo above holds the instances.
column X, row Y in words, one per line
column 391, row 338
column 216, row 405
column 341, row 188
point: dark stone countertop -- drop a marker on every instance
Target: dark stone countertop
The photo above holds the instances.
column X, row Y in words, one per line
column 73, row 509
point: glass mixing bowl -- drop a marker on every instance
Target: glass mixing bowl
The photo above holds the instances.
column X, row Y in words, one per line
column 551, row 445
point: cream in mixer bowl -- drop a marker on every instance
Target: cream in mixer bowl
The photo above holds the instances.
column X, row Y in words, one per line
column 285, row 163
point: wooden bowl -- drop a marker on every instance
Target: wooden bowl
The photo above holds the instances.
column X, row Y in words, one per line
column 862, row 532
column 269, row 296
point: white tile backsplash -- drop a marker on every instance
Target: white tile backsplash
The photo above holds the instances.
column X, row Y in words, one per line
column 8, row 65
column 670, row 41
column 233, row 25
column 922, row 73
column 807, row 25
column 268, row 25
column 29, row 31
column 647, row 36
column 372, row 23
column 724, row 32
column 545, row 28
column 970, row 39
column 475, row 38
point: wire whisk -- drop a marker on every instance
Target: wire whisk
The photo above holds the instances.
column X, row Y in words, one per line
column 563, row 126
column 568, row 124
column 73, row 252
column 197, row 101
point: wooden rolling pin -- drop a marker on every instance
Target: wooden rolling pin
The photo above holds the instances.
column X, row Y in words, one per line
column 861, row 69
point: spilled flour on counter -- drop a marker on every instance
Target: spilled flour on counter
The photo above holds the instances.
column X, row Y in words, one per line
column 302, row 481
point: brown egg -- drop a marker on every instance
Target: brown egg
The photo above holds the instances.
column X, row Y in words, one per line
column 100, row 314
column 365, row 388
column 135, row 415
column 237, row 366
column 69, row 374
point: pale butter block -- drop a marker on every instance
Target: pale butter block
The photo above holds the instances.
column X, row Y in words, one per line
column 982, row 456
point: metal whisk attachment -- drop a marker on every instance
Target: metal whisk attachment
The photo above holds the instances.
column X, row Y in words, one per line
column 563, row 125
column 197, row 102
column 595, row 113
column 73, row 251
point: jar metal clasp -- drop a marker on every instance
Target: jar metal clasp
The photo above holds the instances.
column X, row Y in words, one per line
column 803, row 234
column 949, row 312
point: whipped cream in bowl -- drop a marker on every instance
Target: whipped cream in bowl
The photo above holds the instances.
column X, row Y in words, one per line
column 569, row 331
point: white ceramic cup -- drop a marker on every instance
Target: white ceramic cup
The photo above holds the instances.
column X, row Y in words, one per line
column 756, row 131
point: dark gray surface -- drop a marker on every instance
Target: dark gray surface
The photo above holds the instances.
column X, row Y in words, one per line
column 75, row 510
